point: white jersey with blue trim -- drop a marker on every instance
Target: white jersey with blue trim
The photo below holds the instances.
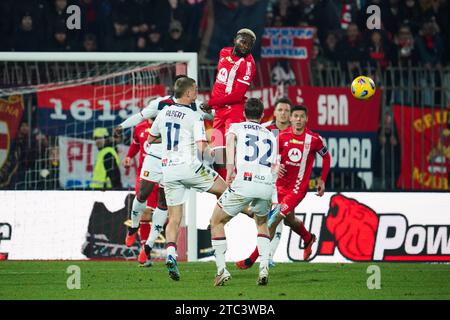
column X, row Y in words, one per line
column 180, row 127
column 151, row 112
column 256, row 152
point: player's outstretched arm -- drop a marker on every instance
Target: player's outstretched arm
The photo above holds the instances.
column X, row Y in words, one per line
column 326, row 163
column 135, row 119
column 231, row 154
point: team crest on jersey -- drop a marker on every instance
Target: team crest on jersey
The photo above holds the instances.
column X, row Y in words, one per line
column 248, row 176
column 164, row 162
column 146, row 173
column 295, row 155
column 222, row 75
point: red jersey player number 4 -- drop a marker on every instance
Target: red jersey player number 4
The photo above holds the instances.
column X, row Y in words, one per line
column 235, row 72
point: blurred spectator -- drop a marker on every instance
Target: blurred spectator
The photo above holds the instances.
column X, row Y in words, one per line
column 194, row 13
column 405, row 57
column 330, row 48
column 393, row 20
column 94, row 16
column 60, row 40
column 351, row 48
column 141, row 43
column 430, row 50
column 176, row 40
column 25, row 155
column 286, row 15
column 57, row 14
column 168, row 10
column 49, row 174
column 89, row 43
column 5, row 25
column 121, row 39
column 410, row 15
column 318, row 65
column 321, row 14
column 37, row 8
column 429, row 44
column 379, row 50
column 404, row 47
column 26, row 37
column 387, row 155
column 154, row 40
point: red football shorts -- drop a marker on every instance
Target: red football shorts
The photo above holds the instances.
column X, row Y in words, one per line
column 152, row 200
column 223, row 119
column 289, row 200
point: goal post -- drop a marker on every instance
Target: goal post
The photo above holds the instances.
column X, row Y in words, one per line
column 17, row 79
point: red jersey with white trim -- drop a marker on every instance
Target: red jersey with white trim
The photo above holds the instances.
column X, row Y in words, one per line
column 298, row 153
column 140, row 136
column 272, row 127
column 231, row 70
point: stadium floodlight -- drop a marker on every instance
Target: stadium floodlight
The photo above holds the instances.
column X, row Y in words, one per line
column 112, row 85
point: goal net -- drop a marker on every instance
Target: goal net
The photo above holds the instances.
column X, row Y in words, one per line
column 60, row 99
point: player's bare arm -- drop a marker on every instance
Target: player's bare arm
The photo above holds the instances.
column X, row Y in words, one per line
column 320, row 187
column 231, row 153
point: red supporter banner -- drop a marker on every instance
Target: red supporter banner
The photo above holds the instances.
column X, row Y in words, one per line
column 11, row 111
column 329, row 108
column 285, row 55
column 425, row 147
column 66, row 111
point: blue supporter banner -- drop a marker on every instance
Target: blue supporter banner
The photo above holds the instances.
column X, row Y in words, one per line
column 77, row 111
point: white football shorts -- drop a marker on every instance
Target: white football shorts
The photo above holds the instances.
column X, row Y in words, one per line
column 233, row 203
column 151, row 169
column 201, row 181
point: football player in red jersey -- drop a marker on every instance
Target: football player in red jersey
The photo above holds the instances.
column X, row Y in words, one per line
column 140, row 136
column 235, row 71
column 298, row 147
column 280, row 123
column 281, row 114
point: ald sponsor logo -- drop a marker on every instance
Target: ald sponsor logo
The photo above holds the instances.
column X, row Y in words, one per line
column 361, row 234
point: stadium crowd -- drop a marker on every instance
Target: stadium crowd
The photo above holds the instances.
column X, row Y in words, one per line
column 412, row 31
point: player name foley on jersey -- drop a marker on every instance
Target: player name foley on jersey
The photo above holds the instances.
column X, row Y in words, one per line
column 255, row 154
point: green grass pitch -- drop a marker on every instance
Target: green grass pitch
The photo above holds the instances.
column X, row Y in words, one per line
column 287, row 281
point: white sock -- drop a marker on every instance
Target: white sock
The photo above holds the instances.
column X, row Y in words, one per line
column 276, row 240
column 264, row 251
column 136, row 212
column 159, row 218
column 171, row 251
column 220, row 247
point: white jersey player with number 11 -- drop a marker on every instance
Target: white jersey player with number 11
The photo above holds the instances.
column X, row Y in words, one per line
column 251, row 174
column 184, row 146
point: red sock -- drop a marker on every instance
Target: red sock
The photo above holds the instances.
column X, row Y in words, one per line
column 302, row 232
column 144, row 231
column 222, row 172
column 254, row 255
